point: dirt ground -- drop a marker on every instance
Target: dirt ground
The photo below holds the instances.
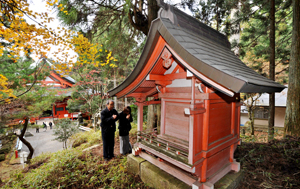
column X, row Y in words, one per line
column 8, row 166
column 274, row 164
column 98, row 151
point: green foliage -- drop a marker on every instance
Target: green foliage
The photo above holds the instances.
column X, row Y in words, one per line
column 254, row 46
column 41, row 158
column 73, row 168
column 36, row 126
column 2, row 157
column 85, row 139
column 64, row 129
column 5, row 149
column 89, row 90
column 134, row 112
column 214, row 13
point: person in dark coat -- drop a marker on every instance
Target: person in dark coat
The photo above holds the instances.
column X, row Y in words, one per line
column 109, row 116
column 50, row 125
column 124, row 128
column 45, row 126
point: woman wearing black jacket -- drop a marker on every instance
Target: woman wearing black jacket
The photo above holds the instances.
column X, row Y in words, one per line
column 124, row 127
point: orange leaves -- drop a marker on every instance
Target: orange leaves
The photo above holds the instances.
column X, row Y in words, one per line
column 24, row 36
column 39, row 39
column 90, row 53
column 4, row 89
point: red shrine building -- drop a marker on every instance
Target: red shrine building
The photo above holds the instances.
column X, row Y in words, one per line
column 59, row 109
column 190, row 70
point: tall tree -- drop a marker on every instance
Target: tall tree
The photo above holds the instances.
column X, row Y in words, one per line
column 250, row 102
column 63, row 130
column 19, row 37
column 292, row 115
column 264, row 24
column 89, row 90
column 214, row 13
column 271, row 119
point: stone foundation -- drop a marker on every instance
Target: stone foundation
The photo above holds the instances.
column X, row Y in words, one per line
column 159, row 179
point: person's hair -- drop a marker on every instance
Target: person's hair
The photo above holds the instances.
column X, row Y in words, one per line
column 129, row 108
column 126, row 110
column 108, row 101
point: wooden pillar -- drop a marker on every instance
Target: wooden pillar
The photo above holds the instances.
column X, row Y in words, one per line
column 140, row 116
column 233, row 123
column 239, row 120
column 191, row 126
column 163, row 115
column 205, row 134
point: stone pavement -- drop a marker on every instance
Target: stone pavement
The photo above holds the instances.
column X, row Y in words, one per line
column 42, row 142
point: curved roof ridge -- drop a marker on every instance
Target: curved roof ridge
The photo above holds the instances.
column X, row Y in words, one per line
column 185, row 21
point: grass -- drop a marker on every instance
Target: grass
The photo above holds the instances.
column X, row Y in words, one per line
column 85, row 139
column 73, row 168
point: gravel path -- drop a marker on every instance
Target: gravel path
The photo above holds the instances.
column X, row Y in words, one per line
column 42, row 142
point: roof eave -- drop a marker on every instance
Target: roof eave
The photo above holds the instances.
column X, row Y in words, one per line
column 152, row 38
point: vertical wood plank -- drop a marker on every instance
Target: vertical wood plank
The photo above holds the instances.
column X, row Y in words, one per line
column 206, row 125
column 238, row 120
column 163, row 117
column 233, row 121
column 140, row 116
column 192, row 134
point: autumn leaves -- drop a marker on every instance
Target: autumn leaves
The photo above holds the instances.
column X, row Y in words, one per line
column 19, row 38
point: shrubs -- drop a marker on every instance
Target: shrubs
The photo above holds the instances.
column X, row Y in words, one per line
column 89, row 138
column 5, row 149
column 76, row 169
column 7, row 142
column 12, row 137
column 2, row 157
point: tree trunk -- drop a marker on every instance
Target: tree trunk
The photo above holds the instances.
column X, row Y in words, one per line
column 152, row 11
column 31, row 150
column 158, row 113
column 251, row 118
column 272, row 71
column 292, row 115
column 151, row 115
column 252, row 122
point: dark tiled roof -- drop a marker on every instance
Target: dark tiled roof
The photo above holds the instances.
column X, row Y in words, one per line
column 203, row 48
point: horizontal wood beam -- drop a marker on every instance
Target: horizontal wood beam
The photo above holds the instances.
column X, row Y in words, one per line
column 181, row 175
column 168, row 77
column 153, row 102
column 151, row 92
column 189, row 111
column 201, row 96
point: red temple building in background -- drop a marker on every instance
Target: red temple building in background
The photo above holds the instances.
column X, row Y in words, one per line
column 59, row 109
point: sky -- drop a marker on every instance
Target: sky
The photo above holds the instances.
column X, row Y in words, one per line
column 40, row 6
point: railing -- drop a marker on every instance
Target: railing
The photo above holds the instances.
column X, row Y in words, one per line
column 172, row 149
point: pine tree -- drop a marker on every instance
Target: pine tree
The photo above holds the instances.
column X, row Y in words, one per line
column 292, row 115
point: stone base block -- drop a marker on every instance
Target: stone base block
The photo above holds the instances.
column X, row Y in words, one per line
column 230, row 181
column 134, row 163
column 159, row 179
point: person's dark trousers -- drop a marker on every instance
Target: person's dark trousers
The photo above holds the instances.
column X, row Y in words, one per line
column 111, row 145
column 108, row 139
